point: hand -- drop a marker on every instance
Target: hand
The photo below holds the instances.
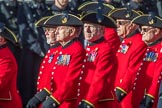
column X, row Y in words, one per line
column 50, row 103
column 146, row 102
column 120, row 94
column 33, row 103
column 84, row 104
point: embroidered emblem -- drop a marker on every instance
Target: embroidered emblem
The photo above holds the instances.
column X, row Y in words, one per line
column 63, row 59
column 151, row 56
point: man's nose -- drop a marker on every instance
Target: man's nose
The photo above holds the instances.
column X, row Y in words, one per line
column 88, row 29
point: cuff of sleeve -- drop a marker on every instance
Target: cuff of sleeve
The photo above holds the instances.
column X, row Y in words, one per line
column 47, row 90
column 88, row 103
column 122, row 90
column 55, row 100
column 149, row 95
column 42, row 95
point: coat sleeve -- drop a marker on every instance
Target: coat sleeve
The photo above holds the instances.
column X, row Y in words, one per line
column 6, row 72
column 66, row 88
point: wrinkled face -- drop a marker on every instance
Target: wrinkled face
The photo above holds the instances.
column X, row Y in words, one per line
column 50, row 35
column 148, row 34
column 122, row 27
column 92, row 32
column 63, row 33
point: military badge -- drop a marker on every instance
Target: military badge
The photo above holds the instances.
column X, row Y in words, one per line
column 63, row 59
column 124, row 48
column 50, row 58
column 64, row 20
column 151, row 57
column 151, row 21
column 127, row 15
column 92, row 55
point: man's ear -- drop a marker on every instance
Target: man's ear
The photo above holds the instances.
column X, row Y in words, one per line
column 157, row 31
column 72, row 31
column 130, row 25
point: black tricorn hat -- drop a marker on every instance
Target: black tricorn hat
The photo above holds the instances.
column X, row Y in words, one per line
column 124, row 13
column 93, row 6
column 100, row 19
column 40, row 22
column 8, row 34
column 148, row 20
column 63, row 19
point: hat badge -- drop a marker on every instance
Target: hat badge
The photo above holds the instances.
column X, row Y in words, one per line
column 151, row 19
column 151, row 22
column 127, row 15
column 64, row 20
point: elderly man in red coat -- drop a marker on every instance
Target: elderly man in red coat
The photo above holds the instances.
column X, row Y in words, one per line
column 67, row 67
column 9, row 95
column 149, row 73
column 61, row 77
column 96, row 82
column 44, row 77
column 130, row 55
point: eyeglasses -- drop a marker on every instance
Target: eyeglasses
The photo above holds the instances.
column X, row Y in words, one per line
column 49, row 29
column 145, row 29
column 122, row 22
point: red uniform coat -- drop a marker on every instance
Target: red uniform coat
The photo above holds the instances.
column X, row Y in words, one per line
column 149, row 74
column 130, row 56
column 97, row 77
column 44, row 77
column 112, row 38
column 9, row 96
column 66, row 74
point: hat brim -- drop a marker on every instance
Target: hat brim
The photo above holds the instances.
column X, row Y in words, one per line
column 40, row 23
column 9, row 35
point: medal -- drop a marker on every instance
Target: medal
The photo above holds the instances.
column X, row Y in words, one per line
column 151, row 56
column 50, row 58
column 63, row 59
column 92, row 55
column 124, row 47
